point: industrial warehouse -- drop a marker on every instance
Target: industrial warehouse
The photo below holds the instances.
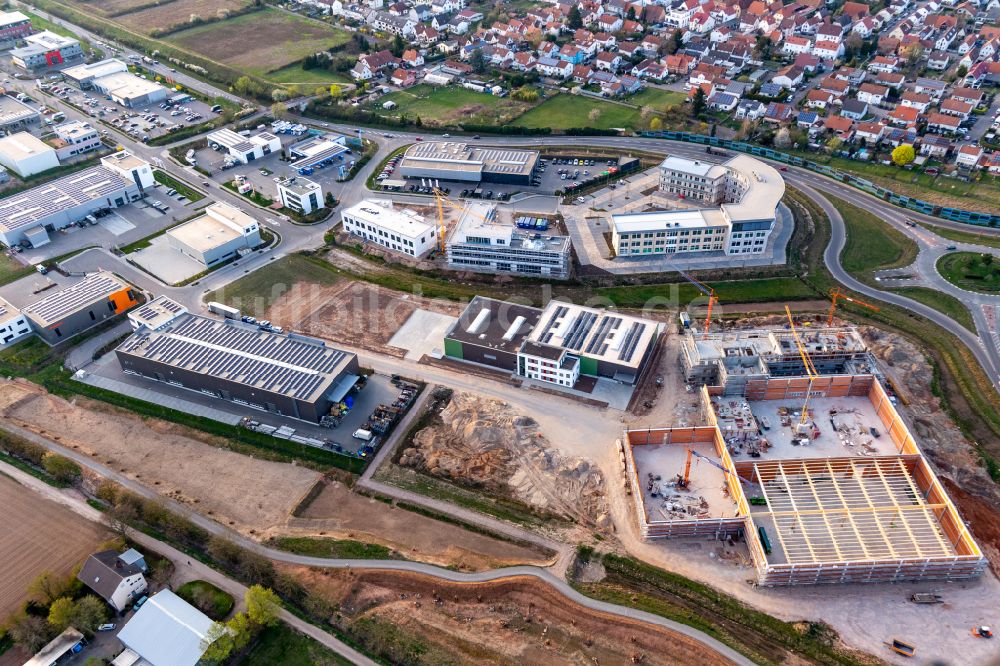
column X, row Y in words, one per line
column 746, row 191
column 66, row 312
column 557, row 344
column 291, row 375
column 454, row 161
column 27, row 216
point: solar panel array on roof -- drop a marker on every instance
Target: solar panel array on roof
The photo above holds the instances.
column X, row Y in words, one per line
column 600, row 342
column 547, row 332
column 65, row 302
column 579, row 331
column 39, row 203
column 631, row 341
column 249, row 356
column 152, row 310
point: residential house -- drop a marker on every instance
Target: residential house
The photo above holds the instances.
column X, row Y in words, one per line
column 819, row 99
column 882, row 63
column 795, row 45
column 679, row 64
column 828, row 50
column 892, row 80
column 403, row 78
column 608, row 61
column 943, row 123
column 370, row 65
column 788, row 77
column 778, row 112
column 957, row 107
column 841, row 126
column 870, row 132
column 873, row 94
column 935, row 145
column 723, row 101
column 412, row 58
column 938, row 61
column 932, row 87
column 970, row 95
column 915, row 100
column 968, row 156
column 750, row 109
column 113, row 579
column 904, row 116
column 559, row 69
column 855, row 109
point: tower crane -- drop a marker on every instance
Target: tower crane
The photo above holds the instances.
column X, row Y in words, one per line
column 707, row 291
column 441, row 201
column 810, row 370
column 836, row 294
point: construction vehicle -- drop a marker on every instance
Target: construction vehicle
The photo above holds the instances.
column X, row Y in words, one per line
column 926, row 598
column 712, row 299
column 684, row 481
column 836, row 294
column 810, row 370
column 982, row 631
column 902, row 647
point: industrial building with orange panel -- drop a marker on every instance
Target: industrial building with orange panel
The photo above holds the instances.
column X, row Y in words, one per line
column 64, row 313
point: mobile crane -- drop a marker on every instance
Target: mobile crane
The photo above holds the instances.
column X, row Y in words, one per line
column 836, row 294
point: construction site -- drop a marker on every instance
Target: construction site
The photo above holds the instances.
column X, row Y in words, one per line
column 818, row 473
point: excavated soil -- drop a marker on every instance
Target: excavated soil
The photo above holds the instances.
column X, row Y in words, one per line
column 481, row 443
column 516, row 620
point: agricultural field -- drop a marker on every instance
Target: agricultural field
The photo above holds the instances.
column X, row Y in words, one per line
column 568, row 111
column 39, row 535
column 260, row 42
column 107, row 7
column 450, row 105
column 175, row 15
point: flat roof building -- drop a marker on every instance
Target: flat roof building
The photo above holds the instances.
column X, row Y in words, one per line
column 318, row 151
column 455, row 161
column 245, row 149
column 220, row 233
column 120, row 179
column 45, row 50
column 156, row 314
column 480, row 241
column 85, row 74
column 130, row 90
column 746, row 191
column 301, row 195
column 14, row 26
column 13, row 324
column 286, row 374
column 16, row 116
column 556, row 344
column 75, row 138
column 27, row 155
column 64, row 313
column 402, row 230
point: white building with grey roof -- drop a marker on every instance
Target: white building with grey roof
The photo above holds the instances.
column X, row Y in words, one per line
column 244, row 149
column 287, row 374
column 27, row 155
column 63, row 313
column 119, row 179
column 46, row 50
column 457, row 161
column 16, row 116
column 404, row 231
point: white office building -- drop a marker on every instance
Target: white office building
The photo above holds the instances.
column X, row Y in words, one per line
column 27, row 155
column 400, row 230
column 223, row 232
column 244, row 149
column 481, row 242
column 44, row 50
column 13, row 324
column 301, row 195
column 76, row 138
column 747, row 192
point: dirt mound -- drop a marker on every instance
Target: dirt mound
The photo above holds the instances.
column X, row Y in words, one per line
column 481, row 443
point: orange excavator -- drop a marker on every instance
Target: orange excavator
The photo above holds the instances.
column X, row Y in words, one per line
column 837, row 295
column 684, row 481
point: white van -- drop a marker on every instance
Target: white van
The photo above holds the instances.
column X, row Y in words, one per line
column 363, row 435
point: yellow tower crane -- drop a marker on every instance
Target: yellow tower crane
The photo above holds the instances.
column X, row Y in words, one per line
column 810, row 370
column 443, row 200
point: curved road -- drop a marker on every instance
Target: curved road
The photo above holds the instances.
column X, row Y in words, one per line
column 538, row 573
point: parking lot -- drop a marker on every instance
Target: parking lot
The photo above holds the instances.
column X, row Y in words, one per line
column 141, row 123
column 265, row 172
column 554, row 174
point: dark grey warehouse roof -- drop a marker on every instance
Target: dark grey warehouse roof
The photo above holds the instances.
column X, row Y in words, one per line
column 494, row 329
column 294, row 366
column 58, row 305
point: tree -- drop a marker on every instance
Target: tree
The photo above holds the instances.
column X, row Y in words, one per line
column 630, row 14
column 263, row 605
column 783, row 139
column 762, row 47
column 30, row 632
column 698, row 103
column 61, row 613
column 656, row 124
column 330, row 200
column 89, row 613
column 987, row 258
column 575, row 19
column 241, row 630
column 398, row 46
column 47, row 587
column 121, row 516
column 279, row 95
column 335, row 91
column 913, row 53
column 279, row 110
column 477, row 61
column 61, row 468
column 903, row 154
column 676, row 42
column 834, row 144
column 594, row 114
column 217, row 644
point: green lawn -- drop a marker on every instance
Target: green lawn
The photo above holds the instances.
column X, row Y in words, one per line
column 450, row 105
column 11, row 269
column 971, row 271
column 941, row 302
column 207, row 598
column 336, row 548
column 566, row 111
column 254, row 293
column 989, row 240
column 294, row 74
column 742, row 291
column 657, row 98
column 281, row 645
column 261, row 41
column 182, row 188
column 871, row 244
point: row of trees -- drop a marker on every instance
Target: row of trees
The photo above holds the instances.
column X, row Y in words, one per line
column 54, row 604
column 225, row 638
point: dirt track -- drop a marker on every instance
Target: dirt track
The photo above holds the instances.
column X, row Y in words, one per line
column 516, row 620
column 167, row 458
column 339, row 513
column 38, row 535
